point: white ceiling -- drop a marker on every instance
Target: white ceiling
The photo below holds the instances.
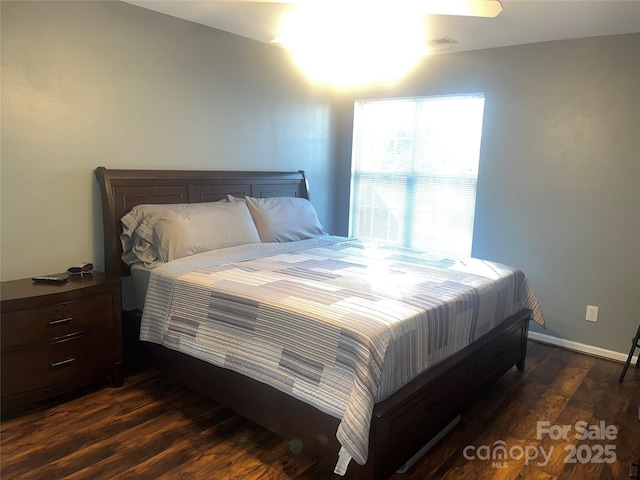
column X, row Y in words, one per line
column 521, row 21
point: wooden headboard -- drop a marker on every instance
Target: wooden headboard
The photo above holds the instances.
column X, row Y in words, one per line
column 121, row 190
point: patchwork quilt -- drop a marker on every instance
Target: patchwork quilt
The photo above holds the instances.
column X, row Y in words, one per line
column 332, row 321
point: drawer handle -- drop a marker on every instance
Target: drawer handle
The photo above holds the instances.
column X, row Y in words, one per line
column 632, row 467
column 63, row 363
column 61, row 321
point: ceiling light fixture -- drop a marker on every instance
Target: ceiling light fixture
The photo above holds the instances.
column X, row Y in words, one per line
column 352, row 43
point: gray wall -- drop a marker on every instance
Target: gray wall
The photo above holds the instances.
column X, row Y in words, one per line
column 86, row 84
column 559, row 181
column 106, row 83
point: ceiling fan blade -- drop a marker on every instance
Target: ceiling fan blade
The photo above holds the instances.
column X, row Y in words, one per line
column 467, row 8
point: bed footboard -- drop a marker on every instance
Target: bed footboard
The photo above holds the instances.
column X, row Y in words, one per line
column 401, row 425
column 409, row 419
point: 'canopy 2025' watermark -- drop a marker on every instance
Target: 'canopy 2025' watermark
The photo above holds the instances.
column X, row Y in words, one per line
column 499, row 453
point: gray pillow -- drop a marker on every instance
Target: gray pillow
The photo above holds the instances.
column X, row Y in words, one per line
column 153, row 234
column 283, row 219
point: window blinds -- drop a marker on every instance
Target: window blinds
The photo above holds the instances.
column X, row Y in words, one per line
column 414, row 171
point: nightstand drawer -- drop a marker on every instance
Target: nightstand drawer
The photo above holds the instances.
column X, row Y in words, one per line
column 28, row 369
column 24, row 327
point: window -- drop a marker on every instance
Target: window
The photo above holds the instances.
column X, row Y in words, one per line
column 414, row 171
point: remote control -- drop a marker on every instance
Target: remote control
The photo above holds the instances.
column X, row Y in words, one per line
column 50, row 279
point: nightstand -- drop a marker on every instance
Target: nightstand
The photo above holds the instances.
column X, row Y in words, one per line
column 58, row 337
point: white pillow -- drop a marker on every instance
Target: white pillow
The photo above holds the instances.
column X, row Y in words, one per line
column 153, row 234
column 283, row 219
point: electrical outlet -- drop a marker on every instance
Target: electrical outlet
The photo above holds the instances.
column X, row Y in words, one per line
column 592, row 314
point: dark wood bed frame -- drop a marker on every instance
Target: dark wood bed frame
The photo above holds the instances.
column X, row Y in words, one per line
column 401, row 425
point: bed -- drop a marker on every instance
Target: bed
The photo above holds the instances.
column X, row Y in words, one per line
column 369, row 434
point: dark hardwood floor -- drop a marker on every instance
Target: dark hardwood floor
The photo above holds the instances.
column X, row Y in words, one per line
column 154, row 428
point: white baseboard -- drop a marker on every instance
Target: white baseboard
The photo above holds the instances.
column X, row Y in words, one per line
column 582, row 348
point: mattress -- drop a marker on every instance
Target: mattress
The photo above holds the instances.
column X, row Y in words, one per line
column 334, row 322
column 139, row 283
